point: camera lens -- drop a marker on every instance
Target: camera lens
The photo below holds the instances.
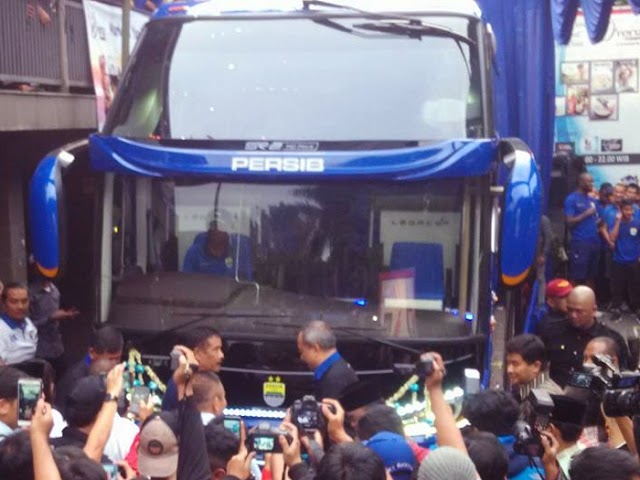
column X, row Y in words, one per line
column 621, row 403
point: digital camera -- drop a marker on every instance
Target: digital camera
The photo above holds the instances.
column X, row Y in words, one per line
column 423, row 368
column 306, row 414
column 264, row 439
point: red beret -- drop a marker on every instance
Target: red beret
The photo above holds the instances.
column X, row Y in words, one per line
column 558, row 288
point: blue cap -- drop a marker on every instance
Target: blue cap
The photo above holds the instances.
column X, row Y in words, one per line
column 395, row 452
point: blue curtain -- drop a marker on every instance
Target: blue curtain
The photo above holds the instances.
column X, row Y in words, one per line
column 524, row 81
column 596, row 14
column 563, row 15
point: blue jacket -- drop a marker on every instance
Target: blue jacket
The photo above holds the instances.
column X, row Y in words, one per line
column 519, row 466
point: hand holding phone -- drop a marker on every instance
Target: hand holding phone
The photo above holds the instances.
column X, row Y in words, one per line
column 175, row 359
column 139, row 394
column 233, row 424
column 29, row 392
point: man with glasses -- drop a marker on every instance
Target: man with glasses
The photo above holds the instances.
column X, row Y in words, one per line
column 565, row 341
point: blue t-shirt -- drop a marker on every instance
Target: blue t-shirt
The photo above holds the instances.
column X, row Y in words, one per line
column 610, row 211
column 197, row 259
column 585, row 230
column 519, row 465
column 628, row 242
column 141, row 3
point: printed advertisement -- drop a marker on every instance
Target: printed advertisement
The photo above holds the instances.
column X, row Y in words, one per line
column 598, row 99
column 104, row 30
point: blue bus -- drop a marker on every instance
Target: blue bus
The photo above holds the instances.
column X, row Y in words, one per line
column 269, row 163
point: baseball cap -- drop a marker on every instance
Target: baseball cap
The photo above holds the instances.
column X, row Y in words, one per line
column 558, row 288
column 395, row 452
column 158, row 448
column 359, row 394
column 447, row 463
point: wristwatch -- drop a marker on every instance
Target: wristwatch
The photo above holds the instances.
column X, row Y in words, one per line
column 110, row 398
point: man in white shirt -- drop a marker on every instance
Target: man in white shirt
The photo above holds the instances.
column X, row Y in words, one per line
column 18, row 335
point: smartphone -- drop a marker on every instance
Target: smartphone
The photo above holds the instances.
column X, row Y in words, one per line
column 264, row 444
column 139, row 394
column 111, row 470
column 233, row 424
column 175, row 360
column 29, row 391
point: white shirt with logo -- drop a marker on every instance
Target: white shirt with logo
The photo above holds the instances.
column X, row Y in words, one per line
column 18, row 344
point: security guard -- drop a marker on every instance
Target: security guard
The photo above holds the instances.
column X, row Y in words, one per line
column 566, row 341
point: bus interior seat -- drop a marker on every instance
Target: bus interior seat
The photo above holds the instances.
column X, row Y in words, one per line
column 427, row 261
column 245, row 270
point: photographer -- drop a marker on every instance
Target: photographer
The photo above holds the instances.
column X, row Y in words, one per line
column 560, row 438
column 619, row 429
column 496, row 412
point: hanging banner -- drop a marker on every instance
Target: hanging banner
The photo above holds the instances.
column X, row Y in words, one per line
column 104, row 32
column 598, row 99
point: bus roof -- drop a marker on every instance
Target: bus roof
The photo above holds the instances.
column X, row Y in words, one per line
column 223, row 7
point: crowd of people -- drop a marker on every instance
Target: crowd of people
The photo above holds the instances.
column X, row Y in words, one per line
column 604, row 245
column 82, row 429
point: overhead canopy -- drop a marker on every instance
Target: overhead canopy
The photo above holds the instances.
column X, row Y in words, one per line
column 596, row 15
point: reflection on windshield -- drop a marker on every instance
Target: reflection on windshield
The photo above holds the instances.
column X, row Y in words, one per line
column 358, row 245
column 246, row 80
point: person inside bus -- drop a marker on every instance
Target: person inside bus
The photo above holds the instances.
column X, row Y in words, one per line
column 221, row 253
column 210, row 253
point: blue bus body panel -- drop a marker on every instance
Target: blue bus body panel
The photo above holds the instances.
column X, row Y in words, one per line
column 43, row 216
column 521, row 219
column 456, row 158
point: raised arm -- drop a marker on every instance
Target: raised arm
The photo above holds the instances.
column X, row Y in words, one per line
column 447, row 432
column 104, row 421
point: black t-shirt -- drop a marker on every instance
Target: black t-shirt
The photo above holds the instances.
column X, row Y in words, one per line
column 565, row 347
column 72, row 437
column 70, row 379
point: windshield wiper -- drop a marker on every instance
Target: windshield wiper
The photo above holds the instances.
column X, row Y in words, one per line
column 413, row 28
column 403, row 24
column 391, row 23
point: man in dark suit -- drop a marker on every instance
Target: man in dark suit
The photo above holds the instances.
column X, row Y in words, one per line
column 317, row 347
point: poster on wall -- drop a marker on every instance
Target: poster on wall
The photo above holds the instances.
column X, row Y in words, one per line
column 104, row 31
column 598, row 99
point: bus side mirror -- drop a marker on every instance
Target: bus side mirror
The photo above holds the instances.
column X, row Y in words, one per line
column 521, row 212
column 46, row 210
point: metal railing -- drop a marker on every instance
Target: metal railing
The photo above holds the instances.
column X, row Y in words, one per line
column 32, row 48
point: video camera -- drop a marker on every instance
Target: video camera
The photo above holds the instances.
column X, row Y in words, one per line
column 423, row 368
column 306, row 414
column 264, row 439
column 536, row 413
column 616, row 390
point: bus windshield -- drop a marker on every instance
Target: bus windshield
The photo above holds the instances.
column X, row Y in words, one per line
column 392, row 250
column 245, row 79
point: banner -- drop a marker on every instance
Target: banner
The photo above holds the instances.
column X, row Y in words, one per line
column 598, row 99
column 104, row 31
